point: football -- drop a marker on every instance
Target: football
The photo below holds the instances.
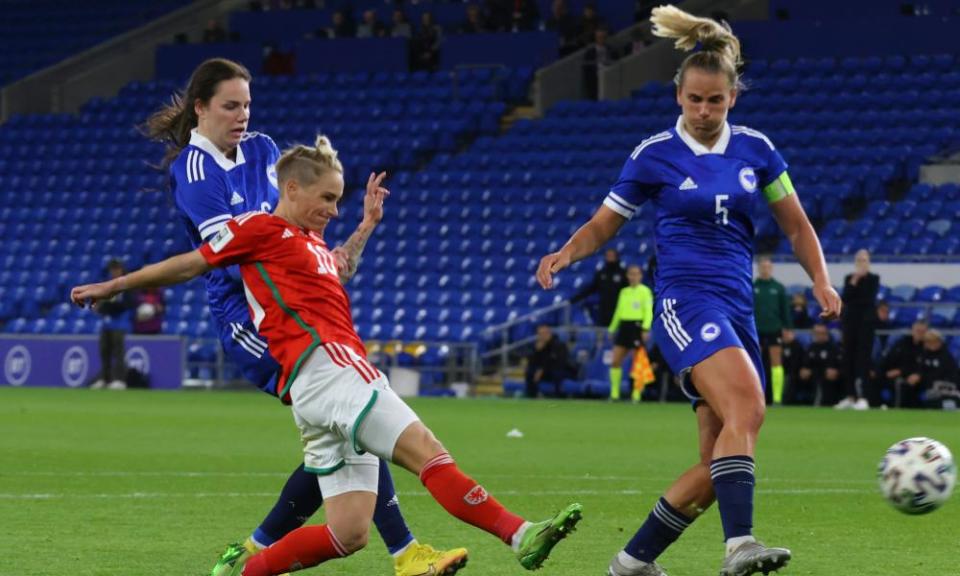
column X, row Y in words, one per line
column 917, row 475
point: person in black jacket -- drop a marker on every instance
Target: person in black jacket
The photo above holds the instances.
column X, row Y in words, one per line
column 793, row 355
column 859, row 323
column 116, row 324
column 820, row 369
column 938, row 371
column 549, row 361
column 607, row 282
column 902, row 360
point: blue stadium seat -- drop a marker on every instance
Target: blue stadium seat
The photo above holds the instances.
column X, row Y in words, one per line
column 931, row 293
column 903, row 292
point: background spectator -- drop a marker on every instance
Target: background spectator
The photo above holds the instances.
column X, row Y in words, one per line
column 600, row 54
column 638, row 41
column 565, row 25
column 549, row 361
column 938, row 368
column 772, row 316
column 859, row 323
column 116, row 323
column 820, row 371
column 525, row 15
column 148, row 311
column 426, row 44
column 607, row 283
column 883, row 323
column 214, row 32
column 793, row 357
column 371, row 27
column 902, row 361
column 799, row 315
column 341, row 26
column 400, row 28
column 589, row 23
column 473, row 24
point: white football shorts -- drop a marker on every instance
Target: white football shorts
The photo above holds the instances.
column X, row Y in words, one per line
column 348, row 417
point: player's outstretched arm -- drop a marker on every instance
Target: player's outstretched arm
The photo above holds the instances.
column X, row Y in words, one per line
column 584, row 242
column 348, row 255
column 174, row 270
column 806, row 246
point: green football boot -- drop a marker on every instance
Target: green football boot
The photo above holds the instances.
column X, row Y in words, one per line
column 541, row 537
column 233, row 559
column 231, row 562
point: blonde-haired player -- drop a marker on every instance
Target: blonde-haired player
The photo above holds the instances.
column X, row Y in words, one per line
column 347, row 413
column 704, row 178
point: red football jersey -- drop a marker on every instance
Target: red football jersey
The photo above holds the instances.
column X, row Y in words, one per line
column 293, row 290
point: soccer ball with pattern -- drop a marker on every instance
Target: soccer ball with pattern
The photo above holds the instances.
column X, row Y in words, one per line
column 917, row 475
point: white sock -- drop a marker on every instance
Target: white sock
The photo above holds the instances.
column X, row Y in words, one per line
column 734, row 543
column 518, row 536
column 629, row 562
column 400, row 552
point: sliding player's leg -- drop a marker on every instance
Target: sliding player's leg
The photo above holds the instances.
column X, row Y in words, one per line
column 391, row 428
column 351, row 488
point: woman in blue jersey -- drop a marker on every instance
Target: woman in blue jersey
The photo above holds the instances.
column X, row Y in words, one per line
column 703, row 177
column 219, row 170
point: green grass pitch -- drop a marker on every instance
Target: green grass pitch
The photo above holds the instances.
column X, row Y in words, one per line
column 141, row 483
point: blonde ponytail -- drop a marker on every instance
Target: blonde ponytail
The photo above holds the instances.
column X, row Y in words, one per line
column 720, row 49
column 306, row 164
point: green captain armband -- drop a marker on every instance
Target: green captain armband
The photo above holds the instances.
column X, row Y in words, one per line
column 779, row 189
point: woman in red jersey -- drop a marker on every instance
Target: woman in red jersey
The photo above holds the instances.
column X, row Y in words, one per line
column 347, row 413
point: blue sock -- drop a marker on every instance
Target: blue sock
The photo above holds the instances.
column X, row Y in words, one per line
column 299, row 500
column 390, row 523
column 662, row 528
column 733, row 481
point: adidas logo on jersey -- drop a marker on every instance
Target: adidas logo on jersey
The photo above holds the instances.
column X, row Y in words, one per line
column 236, row 199
column 688, row 184
column 287, row 233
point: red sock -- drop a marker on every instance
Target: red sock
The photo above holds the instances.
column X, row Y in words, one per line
column 461, row 496
column 302, row 548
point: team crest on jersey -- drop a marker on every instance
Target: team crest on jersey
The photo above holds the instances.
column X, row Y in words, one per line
column 709, row 332
column 476, row 495
column 748, row 179
column 272, row 175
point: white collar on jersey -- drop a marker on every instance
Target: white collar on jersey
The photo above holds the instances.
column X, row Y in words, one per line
column 203, row 143
column 720, row 147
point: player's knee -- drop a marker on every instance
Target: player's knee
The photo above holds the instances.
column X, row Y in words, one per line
column 747, row 418
column 353, row 536
column 416, row 446
column 428, row 443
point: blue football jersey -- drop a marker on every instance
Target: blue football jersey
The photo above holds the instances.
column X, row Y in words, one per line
column 209, row 189
column 703, row 202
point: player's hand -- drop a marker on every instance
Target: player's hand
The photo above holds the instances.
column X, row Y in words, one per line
column 91, row 294
column 829, row 301
column 373, row 199
column 550, row 265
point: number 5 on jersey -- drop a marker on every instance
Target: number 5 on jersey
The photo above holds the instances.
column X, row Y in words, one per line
column 722, row 211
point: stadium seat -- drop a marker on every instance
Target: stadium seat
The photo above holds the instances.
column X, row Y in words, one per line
column 930, row 294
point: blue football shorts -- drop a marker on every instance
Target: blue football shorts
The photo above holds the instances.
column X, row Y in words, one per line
column 688, row 332
column 246, row 348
